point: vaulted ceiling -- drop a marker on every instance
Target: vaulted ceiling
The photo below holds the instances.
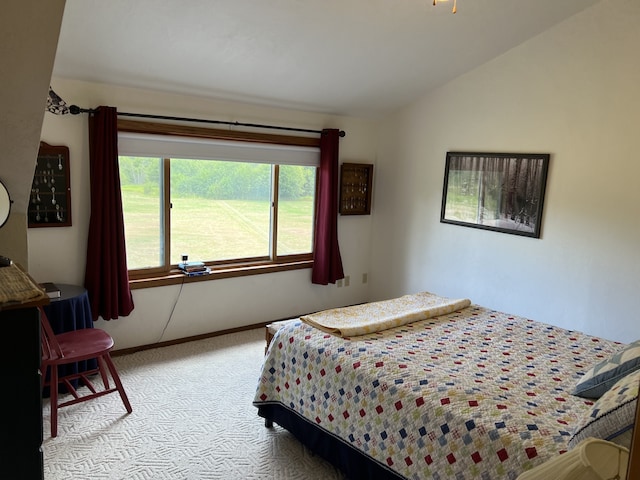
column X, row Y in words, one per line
column 350, row 57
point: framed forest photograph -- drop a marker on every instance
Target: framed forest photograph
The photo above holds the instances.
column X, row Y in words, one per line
column 503, row 192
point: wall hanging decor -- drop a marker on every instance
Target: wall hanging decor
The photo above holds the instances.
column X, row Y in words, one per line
column 356, row 180
column 503, row 192
column 50, row 199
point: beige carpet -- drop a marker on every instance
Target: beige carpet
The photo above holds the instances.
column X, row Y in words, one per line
column 192, row 419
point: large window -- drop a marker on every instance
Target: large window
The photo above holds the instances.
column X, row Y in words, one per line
column 219, row 202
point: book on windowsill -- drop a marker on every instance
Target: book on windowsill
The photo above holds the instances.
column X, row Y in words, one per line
column 191, row 265
column 195, row 273
column 51, row 289
column 194, row 269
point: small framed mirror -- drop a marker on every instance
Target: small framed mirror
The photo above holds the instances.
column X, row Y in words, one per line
column 5, row 204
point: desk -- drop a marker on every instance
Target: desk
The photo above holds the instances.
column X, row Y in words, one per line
column 72, row 311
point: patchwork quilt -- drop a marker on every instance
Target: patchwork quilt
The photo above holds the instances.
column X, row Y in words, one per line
column 472, row 394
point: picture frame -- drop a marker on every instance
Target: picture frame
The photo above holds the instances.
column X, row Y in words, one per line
column 356, row 182
column 502, row 192
column 50, row 198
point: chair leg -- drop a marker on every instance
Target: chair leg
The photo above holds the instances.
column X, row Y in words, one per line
column 116, row 379
column 103, row 373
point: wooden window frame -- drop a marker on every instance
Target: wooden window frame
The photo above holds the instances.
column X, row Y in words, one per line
column 169, row 274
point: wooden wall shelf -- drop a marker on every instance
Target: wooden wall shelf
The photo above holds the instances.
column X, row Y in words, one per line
column 356, row 180
column 50, row 199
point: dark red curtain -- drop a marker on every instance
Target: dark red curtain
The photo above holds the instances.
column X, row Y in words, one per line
column 327, row 263
column 106, row 276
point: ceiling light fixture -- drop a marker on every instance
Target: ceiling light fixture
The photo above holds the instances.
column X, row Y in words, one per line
column 453, row 10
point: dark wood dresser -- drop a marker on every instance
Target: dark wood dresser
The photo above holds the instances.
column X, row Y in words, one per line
column 20, row 354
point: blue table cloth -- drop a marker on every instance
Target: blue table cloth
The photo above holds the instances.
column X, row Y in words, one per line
column 71, row 311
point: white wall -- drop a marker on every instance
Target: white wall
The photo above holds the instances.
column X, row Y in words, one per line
column 573, row 92
column 58, row 254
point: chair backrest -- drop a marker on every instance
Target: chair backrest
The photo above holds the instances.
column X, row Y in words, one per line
column 50, row 347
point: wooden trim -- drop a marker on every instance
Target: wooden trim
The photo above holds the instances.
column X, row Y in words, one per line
column 155, row 128
column 126, row 351
column 176, row 277
column 168, row 343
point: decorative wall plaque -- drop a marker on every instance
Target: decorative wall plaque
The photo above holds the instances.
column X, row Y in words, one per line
column 50, row 199
column 356, row 180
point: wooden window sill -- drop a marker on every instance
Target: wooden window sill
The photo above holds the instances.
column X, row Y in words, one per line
column 175, row 276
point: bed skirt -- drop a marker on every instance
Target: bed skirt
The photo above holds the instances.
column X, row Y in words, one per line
column 351, row 462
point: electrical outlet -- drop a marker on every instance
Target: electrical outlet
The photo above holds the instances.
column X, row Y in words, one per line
column 365, row 277
column 339, row 283
column 346, row 281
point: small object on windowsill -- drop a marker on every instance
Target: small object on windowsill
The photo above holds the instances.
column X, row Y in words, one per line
column 192, row 269
column 51, row 289
column 191, row 265
column 197, row 273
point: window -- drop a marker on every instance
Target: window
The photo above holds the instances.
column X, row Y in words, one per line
column 218, row 201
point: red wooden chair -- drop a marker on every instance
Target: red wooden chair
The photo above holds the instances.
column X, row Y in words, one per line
column 71, row 347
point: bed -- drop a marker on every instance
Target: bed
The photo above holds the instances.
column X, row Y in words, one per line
column 462, row 392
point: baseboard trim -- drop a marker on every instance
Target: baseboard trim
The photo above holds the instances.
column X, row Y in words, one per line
column 177, row 341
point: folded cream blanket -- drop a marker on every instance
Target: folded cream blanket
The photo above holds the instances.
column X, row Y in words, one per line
column 377, row 316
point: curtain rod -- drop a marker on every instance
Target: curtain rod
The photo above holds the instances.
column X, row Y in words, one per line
column 75, row 110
